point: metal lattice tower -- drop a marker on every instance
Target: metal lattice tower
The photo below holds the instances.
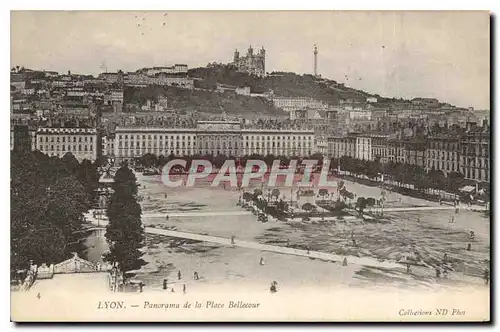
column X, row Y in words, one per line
column 315, row 60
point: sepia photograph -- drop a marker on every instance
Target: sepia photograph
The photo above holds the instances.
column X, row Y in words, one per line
column 250, row 166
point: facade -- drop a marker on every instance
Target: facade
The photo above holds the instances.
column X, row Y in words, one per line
column 475, row 154
column 364, row 148
column 108, row 146
column 289, row 143
column 219, row 138
column 297, row 103
column 415, row 152
column 443, row 153
column 211, row 138
column 396, row 151
column 254, row 64
column 132, row 142
column 342, row 146
column 175, row 69
column 138, row 79
column 359, row 114
column 379, row 148
column 81, row 142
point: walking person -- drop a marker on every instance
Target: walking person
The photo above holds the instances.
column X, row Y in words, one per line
column 232, row 239
column 164, row 283
column 344, row 263
column 179, row 275
column 184, row 288
column 261, row 261
column 486, row 276
column 274, row 287
column 195, row 276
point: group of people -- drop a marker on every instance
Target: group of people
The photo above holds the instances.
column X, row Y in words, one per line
column 179, row 277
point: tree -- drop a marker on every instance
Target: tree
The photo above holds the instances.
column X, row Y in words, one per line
column 308, row 207
column 71, row 162
column 361, row 204
column 334, row 164
column 162, row 161
column 124, row 232
column 148, row 160
column 437, row 178
column 247, row 196
column 88, row 176
column 47, row 206
column 257, row 193
column 282, row 206
column 275, row 193
column 323, row 192
column 370, row 202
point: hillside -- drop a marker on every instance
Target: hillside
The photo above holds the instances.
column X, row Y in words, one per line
column 203, row 101
column 281, row 83
column 205, row 98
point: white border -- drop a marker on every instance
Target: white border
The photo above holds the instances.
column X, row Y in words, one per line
column 493, row 6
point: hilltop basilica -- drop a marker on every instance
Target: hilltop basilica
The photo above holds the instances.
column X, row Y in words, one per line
column 251, row 63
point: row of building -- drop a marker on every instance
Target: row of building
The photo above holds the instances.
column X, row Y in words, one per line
column 467, row 153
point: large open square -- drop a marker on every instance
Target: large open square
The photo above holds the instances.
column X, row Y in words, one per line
column 423, row 236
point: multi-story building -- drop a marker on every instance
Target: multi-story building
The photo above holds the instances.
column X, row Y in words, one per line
column 443, row 153
column 364, row 148
column 254, row 64
column 342, row 146
column 108, row 146
column 219, row 138
column 175, row 69
column 359, row 114
column 415, row 152
column 380, row 148
column 289, row 143
column 475, row 153
column 297, row 103
column 396, row 151
column 81, row 142
column 132, row 142
column 211, row 138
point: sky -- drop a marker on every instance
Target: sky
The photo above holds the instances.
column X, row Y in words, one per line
column 443, row 55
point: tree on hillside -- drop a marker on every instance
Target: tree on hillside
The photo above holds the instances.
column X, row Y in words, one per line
column 124, row 232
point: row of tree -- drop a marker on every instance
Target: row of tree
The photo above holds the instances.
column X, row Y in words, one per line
column 150, row 160
column 48, row 198
column 405, row 174
column 402, row 174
